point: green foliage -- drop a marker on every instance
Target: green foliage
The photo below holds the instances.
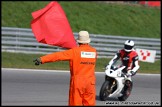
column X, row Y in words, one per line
column 95, row 17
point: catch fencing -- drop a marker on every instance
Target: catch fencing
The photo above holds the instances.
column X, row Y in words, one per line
column 22, row 40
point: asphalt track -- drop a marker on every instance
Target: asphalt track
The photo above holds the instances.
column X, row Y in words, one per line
column 51, row 88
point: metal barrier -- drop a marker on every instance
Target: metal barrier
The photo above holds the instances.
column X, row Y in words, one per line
column 23, row 41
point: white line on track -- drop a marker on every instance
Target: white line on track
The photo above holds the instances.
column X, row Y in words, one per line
column 18, row 69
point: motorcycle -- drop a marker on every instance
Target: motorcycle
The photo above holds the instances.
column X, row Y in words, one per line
column 116, row 84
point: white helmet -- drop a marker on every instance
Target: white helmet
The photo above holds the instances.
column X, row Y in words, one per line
column 128, row 45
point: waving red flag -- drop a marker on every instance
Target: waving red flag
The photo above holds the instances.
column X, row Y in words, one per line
column 50, row 26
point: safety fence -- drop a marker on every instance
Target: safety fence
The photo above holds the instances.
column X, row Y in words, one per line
column 22, row 40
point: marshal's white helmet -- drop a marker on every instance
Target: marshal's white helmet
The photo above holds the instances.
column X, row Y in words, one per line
column 128, row 45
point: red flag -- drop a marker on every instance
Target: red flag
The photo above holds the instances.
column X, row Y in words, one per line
column 50, row 26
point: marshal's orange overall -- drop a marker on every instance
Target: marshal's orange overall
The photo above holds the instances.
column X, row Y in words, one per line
column 82, row 61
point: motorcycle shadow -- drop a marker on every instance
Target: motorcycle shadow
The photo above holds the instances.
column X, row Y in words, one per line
column 109, row 99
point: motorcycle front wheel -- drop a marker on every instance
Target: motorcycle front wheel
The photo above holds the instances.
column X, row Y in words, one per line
column 104, row 91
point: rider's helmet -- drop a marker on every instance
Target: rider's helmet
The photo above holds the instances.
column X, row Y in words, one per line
column 128, row 45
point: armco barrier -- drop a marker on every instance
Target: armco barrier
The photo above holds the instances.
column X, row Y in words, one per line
column 23, row 41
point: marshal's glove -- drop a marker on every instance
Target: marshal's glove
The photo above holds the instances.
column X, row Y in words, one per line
column 37, row 61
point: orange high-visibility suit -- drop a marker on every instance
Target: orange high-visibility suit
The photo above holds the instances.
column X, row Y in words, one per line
column 82, row 69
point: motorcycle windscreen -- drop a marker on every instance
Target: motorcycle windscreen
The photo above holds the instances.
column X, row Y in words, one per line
column 50, row 26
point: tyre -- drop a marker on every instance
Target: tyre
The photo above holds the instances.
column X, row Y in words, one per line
column 126, row 91
column 104, row 91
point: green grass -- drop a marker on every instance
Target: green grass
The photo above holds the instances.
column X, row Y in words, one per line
column 95, row 17
column 18, row 60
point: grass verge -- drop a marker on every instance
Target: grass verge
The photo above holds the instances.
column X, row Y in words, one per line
column 19, row 60
column 95, row 17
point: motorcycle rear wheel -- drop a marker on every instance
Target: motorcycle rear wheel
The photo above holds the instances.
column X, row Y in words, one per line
column 126, row 92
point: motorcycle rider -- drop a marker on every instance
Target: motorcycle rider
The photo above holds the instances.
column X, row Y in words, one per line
column 129, row 58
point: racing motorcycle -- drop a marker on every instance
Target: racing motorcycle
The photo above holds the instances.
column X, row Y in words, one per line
column 116, row 85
